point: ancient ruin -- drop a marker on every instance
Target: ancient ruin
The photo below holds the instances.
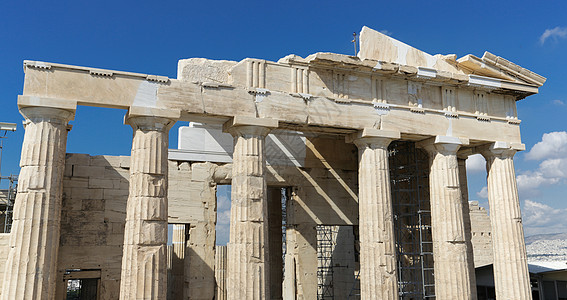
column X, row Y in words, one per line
column 348, row 179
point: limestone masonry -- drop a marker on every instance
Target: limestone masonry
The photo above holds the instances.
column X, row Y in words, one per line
column 347, row 174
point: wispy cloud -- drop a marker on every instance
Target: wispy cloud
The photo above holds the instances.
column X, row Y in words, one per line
column 483, row 193
column 541, row 218
column 386, row 32
column 554, row 33
column 558, row 102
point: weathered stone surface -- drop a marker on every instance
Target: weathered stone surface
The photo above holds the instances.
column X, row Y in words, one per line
column 34, row 242
column 511, row 276
column 248, row 269
column 144, row 262
column 176, row 281
column 378, row 267
column 220, row 272
column 467, row 219
column 389, row 87
column 453, row 277
column 481, row 235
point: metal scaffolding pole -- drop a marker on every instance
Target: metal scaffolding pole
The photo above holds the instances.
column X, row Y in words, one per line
column 10, row 199
column 13, row 180
column 325, row 245
column 412, row 221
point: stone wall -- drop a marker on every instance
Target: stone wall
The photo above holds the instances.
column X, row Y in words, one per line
column 94, row 211
column 481, row 235
column 95, row 192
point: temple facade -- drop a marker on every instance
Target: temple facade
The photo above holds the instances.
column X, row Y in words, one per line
column 347, row 174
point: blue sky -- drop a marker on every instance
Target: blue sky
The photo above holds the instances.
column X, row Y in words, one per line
column 150, row 36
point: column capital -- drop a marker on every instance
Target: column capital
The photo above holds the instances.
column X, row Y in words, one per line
column 27, row 101
column 500, row 149
column 49, row 109
column 448, row 145
column 372, row 137
column 150, row 118
column 242, row 125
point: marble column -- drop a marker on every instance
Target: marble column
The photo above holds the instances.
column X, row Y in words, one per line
column 31, row 267
column 144, row 260
column 511, row 276
column 248, row 258
column 462, row 162
column 452, row 273
column 220, row 272
column 378, row 268
column 178, row 262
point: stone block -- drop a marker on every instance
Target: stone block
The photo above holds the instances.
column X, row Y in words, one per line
column 83, row 194
column 115, row 216
column 105, row 161
column 116, row 194
column 93, row 205
column 202, row 171
column 117, row 228
column 77, row 159
column 88, row 171
column 125, row 162
column 101, row 183
column 76, row 182
column 116, row 173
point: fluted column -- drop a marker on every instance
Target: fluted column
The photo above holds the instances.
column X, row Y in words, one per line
column 462, row 162
column 31, row 268
column 178, row 261
column 378, row 268
column 452, row 273
column 220, row 272
column 511, row 276
column 144, row 260
column 248, row 266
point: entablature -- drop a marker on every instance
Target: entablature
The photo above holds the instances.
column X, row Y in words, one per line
column 324, row 92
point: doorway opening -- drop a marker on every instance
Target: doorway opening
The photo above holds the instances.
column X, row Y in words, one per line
column 82, row 284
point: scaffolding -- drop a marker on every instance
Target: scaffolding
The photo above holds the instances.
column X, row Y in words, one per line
column 355, row 290
column 325, row 245
column 354, row 293
column 412, row 220
column 9, row 198
column 285, row 197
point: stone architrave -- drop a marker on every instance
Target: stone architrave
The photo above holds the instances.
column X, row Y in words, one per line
column 452, row 272
column 511, row 276
column 144, row 260
column 34, row 241
column 378, row 268
column 248, row 266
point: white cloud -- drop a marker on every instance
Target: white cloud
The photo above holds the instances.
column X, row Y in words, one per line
column 552, row 150
column 554, row 168
column 540, row 218
column 483, row 193
column 552, row 145
column 554, row 33
column 530, row 182
column 476, row 163
column 558, row 102
column 386, row 32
